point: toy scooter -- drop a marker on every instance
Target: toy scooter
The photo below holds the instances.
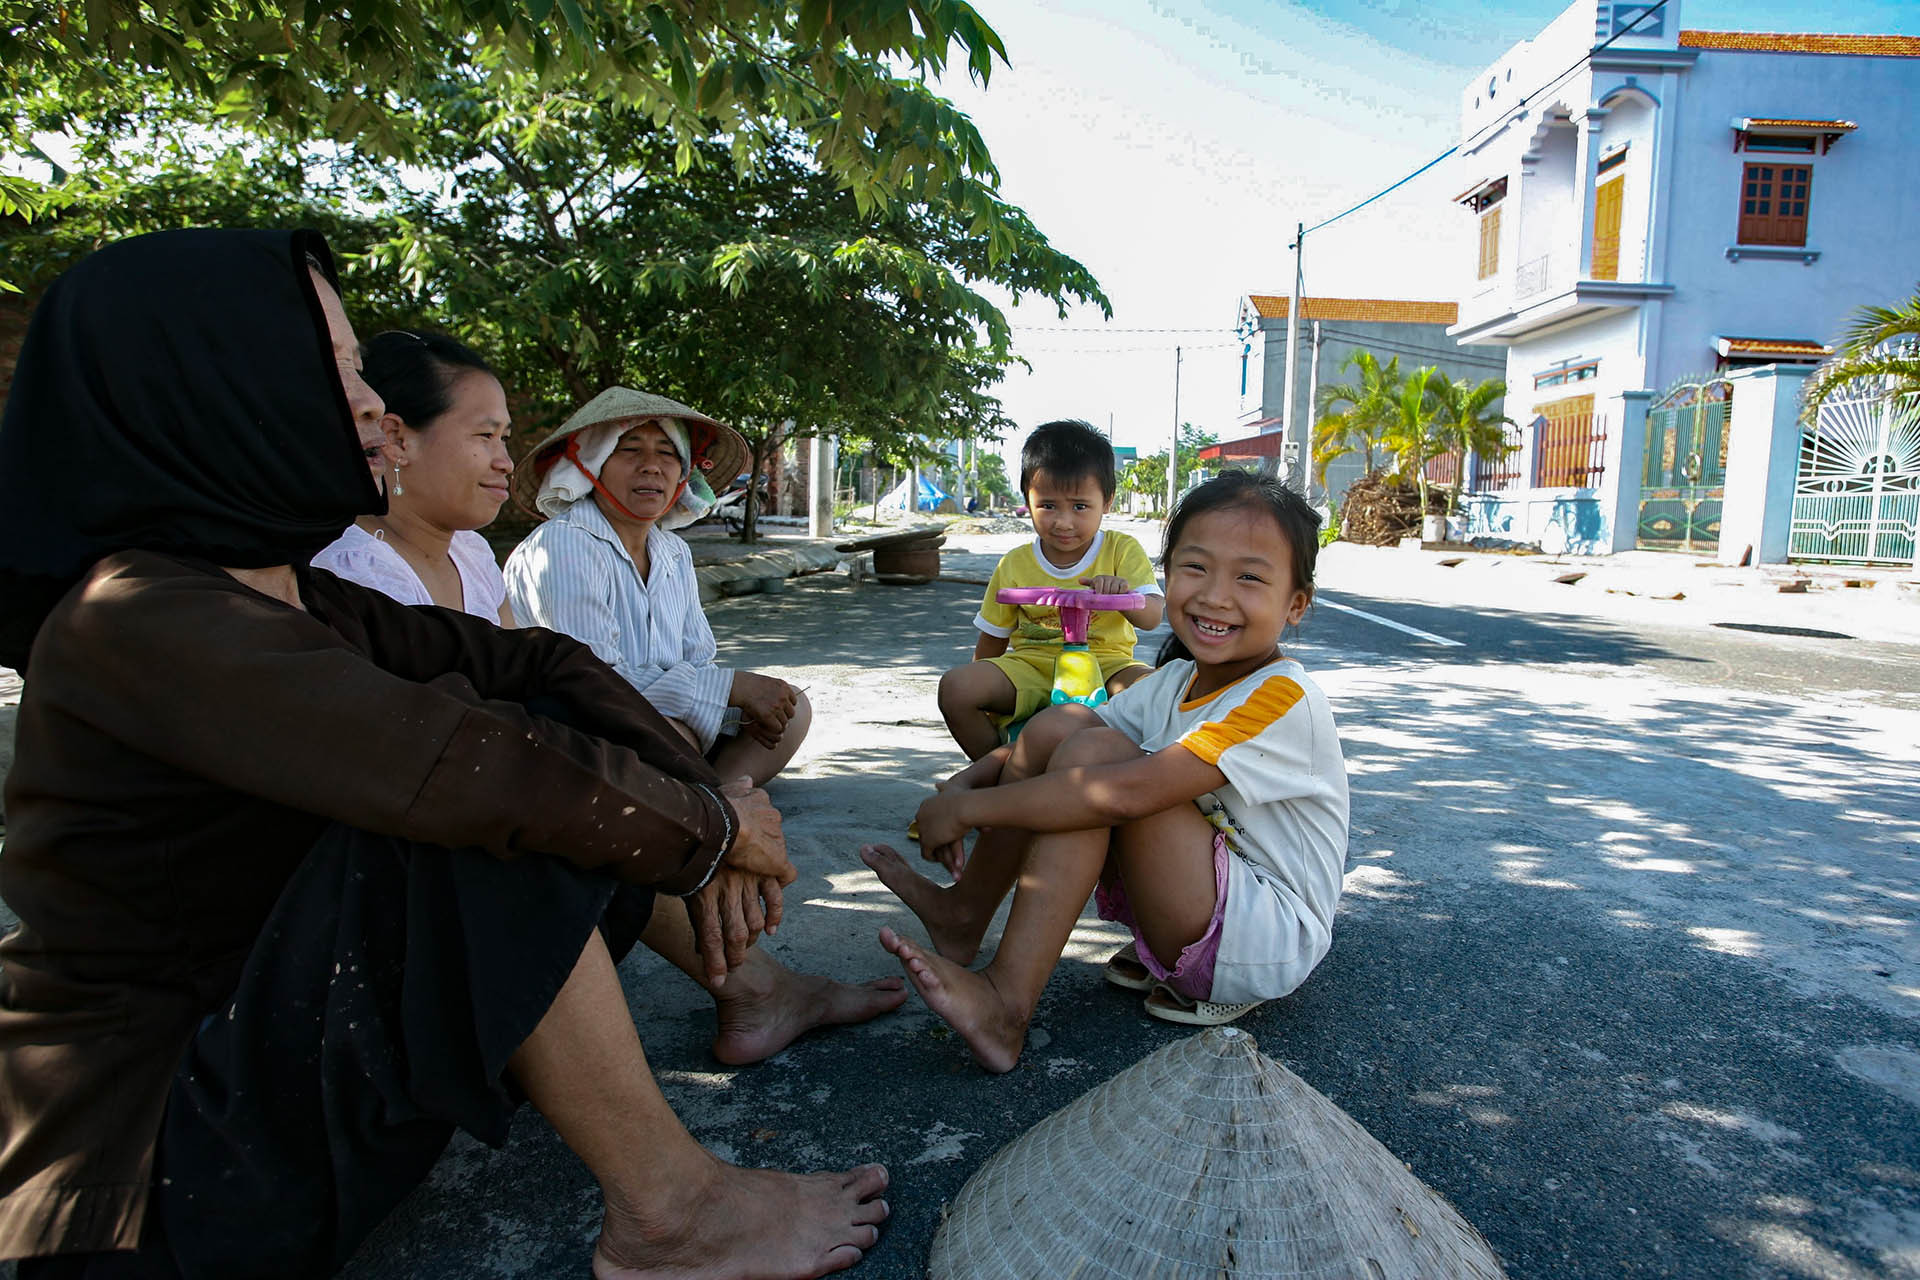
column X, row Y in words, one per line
column 1076, row 673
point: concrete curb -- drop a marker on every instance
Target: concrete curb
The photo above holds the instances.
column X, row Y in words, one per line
column 731, row 577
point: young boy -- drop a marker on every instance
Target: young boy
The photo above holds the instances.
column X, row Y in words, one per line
column 1066, row 474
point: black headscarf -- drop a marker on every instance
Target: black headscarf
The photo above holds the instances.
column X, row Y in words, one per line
column 176, row 392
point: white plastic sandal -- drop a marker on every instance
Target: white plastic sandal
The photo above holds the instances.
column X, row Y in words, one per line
column 1125, row 971
column 1169, row 1005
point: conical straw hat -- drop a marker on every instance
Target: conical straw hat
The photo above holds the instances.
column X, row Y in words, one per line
column 1204, row 1159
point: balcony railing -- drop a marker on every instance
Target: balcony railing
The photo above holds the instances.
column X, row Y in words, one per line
column 1534, row 277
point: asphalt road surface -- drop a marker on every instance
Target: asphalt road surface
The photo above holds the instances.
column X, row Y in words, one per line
column 1626, row 965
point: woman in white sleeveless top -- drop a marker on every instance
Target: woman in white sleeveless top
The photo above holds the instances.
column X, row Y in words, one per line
column 447, row 424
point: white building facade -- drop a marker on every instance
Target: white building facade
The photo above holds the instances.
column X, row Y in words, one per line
column 1672, row 233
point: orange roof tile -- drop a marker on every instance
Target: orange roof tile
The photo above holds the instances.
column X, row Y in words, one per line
column 1384, row 310
column 1773, row 347
column 1789, row 42
column 1836, row 126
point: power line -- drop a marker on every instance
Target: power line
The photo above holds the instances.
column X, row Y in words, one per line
column 1084, row 351
column 1579, row 62
column 1399, row 348
column 1103, row 328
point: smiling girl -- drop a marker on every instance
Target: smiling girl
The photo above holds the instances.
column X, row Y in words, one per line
column 1207, row 804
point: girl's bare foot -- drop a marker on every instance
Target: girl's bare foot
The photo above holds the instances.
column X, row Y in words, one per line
column 747, row 1224
column 766, row 1006
column 967, row 1001
column 955, row 934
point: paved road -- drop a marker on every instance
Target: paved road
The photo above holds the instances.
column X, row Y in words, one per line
column 1727, row 654
column 1625, row 969
column 1626, row 966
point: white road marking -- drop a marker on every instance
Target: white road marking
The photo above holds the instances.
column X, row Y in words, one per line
column 1389, row 622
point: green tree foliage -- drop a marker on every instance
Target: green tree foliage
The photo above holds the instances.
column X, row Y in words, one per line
column 1408, row 419
column 581, row 242
column 1468, row 421
column 1148, row 475
column 989, row 476
column 850, row 75
column 1355, row 416
column 1881, row 343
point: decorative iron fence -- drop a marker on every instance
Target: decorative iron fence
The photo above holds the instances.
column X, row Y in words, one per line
column 1532, row 277
column 1857, row 495
column 1683, row 475
column 1491, row 475
column 1570, row 444
column 1445, row 469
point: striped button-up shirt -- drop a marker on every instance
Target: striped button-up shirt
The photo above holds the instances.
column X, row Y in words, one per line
column 574, row 575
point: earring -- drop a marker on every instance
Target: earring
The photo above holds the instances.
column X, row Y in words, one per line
column 398, row 488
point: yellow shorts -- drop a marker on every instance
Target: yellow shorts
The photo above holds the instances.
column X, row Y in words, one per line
column 1031, row 670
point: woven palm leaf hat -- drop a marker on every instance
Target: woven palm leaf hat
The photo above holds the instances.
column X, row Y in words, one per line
column 1204, row 1159
column 719, row 453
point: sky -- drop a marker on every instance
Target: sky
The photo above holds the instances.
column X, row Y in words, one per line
column 1172, row 145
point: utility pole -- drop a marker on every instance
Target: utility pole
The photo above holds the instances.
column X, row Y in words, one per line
column 1173, row 450
column 822, row 471
column 1313, row 392
column 1287, row 433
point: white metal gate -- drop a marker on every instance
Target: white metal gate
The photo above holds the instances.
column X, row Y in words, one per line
column 1857, row 496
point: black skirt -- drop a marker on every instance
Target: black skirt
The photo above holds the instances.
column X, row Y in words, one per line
column 374, row 1016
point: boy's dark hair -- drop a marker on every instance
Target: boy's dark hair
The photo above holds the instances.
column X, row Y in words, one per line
column 1299, row 524
column 413, row 372
column 1067, row 450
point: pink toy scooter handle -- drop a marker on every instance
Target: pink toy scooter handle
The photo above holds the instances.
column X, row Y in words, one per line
column 1076, row 605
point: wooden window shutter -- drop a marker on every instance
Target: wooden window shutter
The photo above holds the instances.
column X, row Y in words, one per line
column 1489, row 242
column 1608, row 202
column 1773, row 203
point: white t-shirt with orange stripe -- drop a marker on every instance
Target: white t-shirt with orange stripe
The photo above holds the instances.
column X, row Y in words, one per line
column 1283, row 808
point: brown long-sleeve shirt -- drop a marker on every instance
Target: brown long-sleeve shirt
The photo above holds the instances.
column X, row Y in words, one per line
column 182, row 741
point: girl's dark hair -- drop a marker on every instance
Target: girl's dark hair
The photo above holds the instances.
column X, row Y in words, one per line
column 1067, row 450
column 413, row 372
column 1299, row 524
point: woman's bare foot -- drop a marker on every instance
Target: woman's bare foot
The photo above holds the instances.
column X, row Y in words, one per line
column 766, row 1006
column 955, row 935
column 747, row 1223
column 967, row 1001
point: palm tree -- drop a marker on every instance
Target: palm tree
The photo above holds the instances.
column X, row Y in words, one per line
column 1882, row 342
column 1361, row 427
column 1411, row 436
column 1469, row 422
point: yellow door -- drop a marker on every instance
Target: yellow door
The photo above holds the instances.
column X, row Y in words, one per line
column 1607, row 201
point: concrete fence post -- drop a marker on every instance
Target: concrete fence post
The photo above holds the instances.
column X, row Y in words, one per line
column 1626, row 460
column 1763, row 457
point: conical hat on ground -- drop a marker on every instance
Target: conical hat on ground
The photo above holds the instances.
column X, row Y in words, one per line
column 1203, row 1159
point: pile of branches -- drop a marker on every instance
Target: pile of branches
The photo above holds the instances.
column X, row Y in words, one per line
column 1379, row 510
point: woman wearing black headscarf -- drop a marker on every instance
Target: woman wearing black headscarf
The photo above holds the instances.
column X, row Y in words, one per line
column 265, row 963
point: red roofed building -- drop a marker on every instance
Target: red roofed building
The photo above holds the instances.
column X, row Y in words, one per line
column 1670, row 236
column 1330, row 330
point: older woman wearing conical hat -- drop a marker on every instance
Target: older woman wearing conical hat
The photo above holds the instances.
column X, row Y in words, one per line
column 606, row 569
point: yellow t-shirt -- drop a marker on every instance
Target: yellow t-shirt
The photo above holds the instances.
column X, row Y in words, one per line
column 1109, row 636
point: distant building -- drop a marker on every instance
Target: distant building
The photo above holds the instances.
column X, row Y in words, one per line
column 1331, row 329
column 1670, row 235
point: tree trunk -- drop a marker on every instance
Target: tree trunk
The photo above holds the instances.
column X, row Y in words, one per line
column 750, row 509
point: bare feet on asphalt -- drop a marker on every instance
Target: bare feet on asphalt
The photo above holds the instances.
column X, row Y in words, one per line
column 954, row 936
column 966, row 1000
column 766, row 1006
column 748, row 1224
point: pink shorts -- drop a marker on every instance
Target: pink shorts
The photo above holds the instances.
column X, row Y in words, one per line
column 1192, row 972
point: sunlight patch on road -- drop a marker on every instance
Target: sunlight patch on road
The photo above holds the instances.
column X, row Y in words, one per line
column 1731, row 942
column 1522, row 871
column 1674, row 865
